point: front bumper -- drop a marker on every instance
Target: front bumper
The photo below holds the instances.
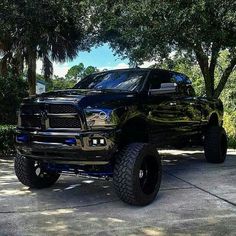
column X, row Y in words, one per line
column 52, row 146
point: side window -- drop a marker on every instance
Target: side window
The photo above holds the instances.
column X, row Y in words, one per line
column 158, row 77
column 179, row 78
column 184, row 84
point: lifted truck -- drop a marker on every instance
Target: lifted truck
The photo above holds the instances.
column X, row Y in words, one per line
column 110, row 125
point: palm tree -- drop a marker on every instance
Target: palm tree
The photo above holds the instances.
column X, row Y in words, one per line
column 47, row 30
column 11, row 59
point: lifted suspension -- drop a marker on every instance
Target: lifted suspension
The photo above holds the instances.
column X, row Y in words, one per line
column 89, row 171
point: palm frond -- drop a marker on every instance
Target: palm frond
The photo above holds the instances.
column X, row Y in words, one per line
column 47, row 67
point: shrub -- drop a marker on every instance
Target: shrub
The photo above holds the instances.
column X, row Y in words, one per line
column 7, row 134
column 230, row 127
column 12, row 91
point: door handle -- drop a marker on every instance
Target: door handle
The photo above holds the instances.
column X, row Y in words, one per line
column 173, row 103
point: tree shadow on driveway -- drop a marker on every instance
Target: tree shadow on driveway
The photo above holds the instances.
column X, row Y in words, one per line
column 76, row 203
column 182, row 170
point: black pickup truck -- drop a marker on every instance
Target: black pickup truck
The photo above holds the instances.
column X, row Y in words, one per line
column 111, row 125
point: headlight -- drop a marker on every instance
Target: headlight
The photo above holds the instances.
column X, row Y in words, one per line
column 98, row 117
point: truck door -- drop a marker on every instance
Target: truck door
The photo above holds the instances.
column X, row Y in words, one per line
column 163, row 111
column 190, row 118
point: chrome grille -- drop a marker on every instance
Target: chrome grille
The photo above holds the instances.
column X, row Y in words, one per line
column 49, row 116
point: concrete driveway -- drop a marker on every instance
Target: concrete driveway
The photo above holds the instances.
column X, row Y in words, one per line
column 196, row 198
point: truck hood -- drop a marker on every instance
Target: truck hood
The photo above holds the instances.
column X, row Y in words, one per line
column 86, row 97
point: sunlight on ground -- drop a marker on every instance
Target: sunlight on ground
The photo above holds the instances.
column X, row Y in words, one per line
column 72, row 186
column 153, row 231
column 57, row 190
column 58, row 226
column 231, row 151
column 114, row 220
column 8, row 177
column 14, row 192
column 57, row 212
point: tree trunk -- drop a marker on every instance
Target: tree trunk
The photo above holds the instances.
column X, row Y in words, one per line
column 31, row 73
column 4, row 65
column 208, row 71
column 209, row 81
column 224, row 78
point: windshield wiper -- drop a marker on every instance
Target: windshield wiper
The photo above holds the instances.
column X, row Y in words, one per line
column 115, row 90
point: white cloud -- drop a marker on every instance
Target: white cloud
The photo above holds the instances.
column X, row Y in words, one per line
column 59, row 69
column 118, row 66
column 39, row 65
column 121, row 66
column 146, row 64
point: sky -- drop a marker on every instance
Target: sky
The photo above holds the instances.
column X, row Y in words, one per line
column 101, row 57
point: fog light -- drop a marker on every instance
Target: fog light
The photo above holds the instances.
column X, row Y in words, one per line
column 22, row 138
column 102, row 141
column 95, row 142
column 70, row 141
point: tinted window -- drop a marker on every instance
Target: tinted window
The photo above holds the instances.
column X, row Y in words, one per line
column 158, row 77
column 179, row 79
column 121, row 80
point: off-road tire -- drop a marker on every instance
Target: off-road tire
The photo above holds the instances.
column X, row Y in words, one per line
column 130, row 163
column 215, row 144
column 25, row 170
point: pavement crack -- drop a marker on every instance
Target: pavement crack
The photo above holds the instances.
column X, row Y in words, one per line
column 202, row 189
column 169, row 189
column 55, row 209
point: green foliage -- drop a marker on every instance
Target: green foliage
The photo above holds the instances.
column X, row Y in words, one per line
column 60, row 83
column 12, row 91
column 147, row 29
column 228, row 95
column 7, row 134
column 89, row 70
column 74, row 74
column 47, row 30
column 78, row 72
column 151, row 30
column 183, row 65
column 230, row 127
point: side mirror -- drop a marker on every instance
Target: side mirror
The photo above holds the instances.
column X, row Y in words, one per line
column 165, row 88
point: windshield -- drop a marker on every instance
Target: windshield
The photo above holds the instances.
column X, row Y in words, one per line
column 115, row 80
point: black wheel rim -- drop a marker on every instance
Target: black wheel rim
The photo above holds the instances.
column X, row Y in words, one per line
column 38, row 170
column 148, row 174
